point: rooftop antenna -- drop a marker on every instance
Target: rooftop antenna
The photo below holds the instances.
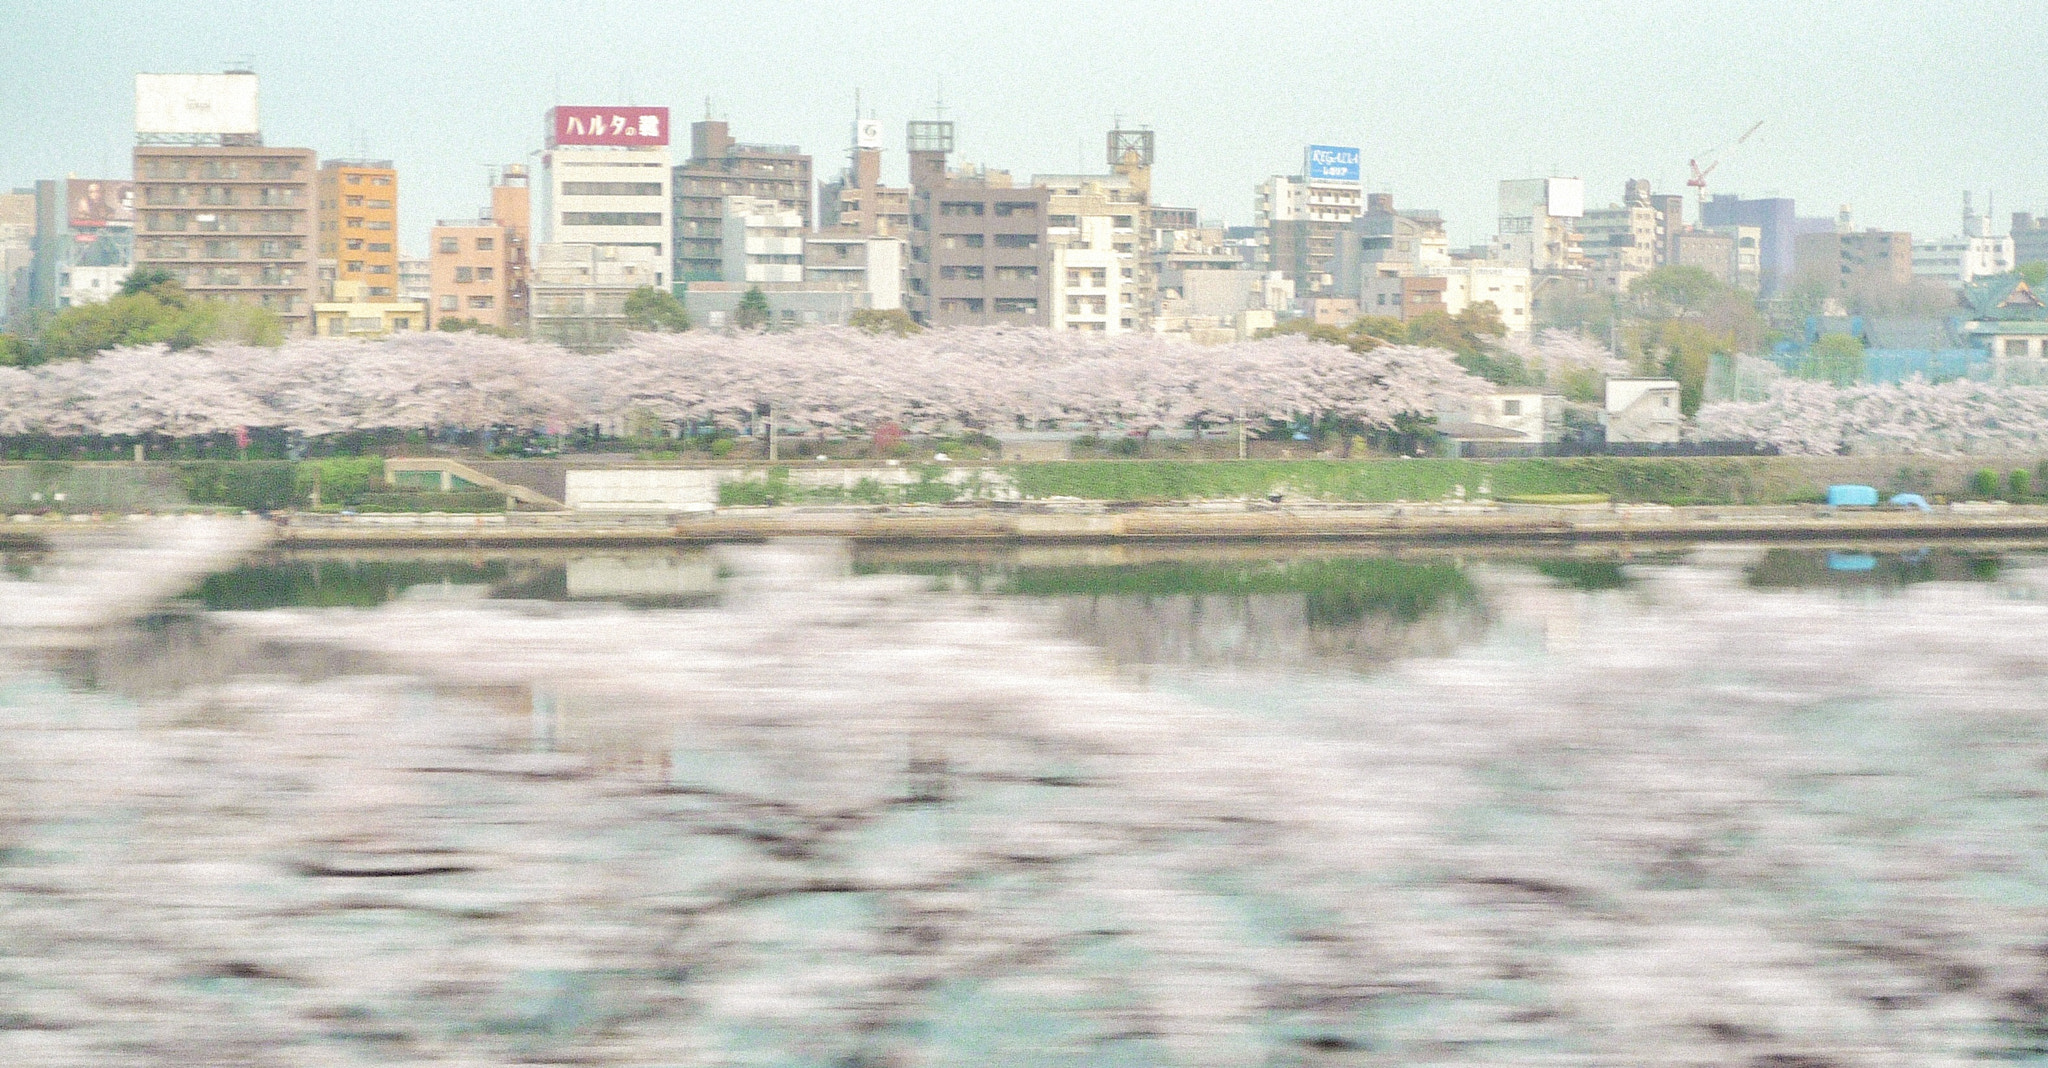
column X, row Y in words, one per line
column 707, row 108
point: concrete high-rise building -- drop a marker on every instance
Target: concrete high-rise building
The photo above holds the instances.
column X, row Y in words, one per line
column 1845, row 262
column 978, row 246
column 478, row 268
column 358, row 217
column 232, row 222
column 721, row 167
column 230, row 217
column 606, row 182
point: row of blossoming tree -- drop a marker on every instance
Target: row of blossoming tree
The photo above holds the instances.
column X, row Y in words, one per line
column 1950, row 418
column 817, row 380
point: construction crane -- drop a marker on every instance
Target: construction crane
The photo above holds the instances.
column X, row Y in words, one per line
column 1699, row 177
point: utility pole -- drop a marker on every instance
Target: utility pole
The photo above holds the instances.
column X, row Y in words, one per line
column 1240, row 431
column 771, row 431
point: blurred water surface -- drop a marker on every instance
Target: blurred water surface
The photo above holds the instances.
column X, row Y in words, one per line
column 795, row 805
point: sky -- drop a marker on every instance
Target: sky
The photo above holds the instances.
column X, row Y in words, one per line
column 1893, row 107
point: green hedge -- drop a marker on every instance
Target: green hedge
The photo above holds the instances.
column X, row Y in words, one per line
column 256, row 485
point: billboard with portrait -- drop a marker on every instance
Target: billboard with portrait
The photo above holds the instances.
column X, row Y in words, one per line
column 93, row 203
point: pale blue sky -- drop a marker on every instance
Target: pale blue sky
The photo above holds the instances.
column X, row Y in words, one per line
column 1891, row 106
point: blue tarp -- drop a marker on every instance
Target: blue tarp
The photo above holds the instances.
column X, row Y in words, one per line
column 1852, row 496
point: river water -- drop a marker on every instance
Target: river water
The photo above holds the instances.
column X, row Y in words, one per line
column 802, row 805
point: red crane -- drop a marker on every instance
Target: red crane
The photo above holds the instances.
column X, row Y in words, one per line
column 1699, row 177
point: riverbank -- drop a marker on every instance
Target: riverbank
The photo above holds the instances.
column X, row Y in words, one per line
column 1086, row 523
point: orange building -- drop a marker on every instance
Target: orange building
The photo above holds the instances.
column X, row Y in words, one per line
column 478, row 267
column 358, row 238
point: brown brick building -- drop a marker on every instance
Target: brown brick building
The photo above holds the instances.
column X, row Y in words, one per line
column 233, row 222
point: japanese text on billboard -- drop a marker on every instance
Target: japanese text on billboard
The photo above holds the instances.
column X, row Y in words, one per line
column 627, row 127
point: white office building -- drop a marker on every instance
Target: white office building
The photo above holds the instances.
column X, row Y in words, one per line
column 609, row 198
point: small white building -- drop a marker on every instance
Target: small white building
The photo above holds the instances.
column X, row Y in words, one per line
column 89, row 285
column 1502, row 424
column 1089, row 286
column 1642, row 411
column 1959, row 261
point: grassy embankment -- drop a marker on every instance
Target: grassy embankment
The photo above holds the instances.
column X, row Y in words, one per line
column 1563, row 481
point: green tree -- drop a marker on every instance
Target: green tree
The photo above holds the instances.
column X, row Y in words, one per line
column 14, row 352
column 1675, row 291
column 1836, row 358
column 884, row 321
column 656, row 311
column 156, row 282
column 2035, row 274
column 753, row 312
column 146, row 317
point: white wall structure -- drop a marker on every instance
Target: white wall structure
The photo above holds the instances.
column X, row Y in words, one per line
column 609, row 197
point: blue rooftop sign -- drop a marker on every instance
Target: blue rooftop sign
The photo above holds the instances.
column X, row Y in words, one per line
column 1332, row 163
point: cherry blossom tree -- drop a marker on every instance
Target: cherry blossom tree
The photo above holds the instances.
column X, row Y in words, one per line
column 824, row 380
column 1953, row 418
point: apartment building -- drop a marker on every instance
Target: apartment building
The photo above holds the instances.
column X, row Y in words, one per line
column 232, row 222
column 720, row 167
column 358, row 228
column 477, row 268
column 1975, row 253
column 1451, row 289
column 978, row 253
column 2029, row 238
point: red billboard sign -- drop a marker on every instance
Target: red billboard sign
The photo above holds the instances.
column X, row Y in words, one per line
column 633, row 127
column 94, row 204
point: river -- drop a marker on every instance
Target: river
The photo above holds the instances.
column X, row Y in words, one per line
column 1222, row 805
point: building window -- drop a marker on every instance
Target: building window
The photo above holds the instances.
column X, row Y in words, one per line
column 486, row 244
column 611, row 218
column 374, row 203
column 1511, row 407
column 380, row 291
column 355, row 244
column 1008, row 208
column 380, row 246
column 1011, row 240
column 465, row 274
column 353, row 222
column 355, row 179
column 381, row 179
column 354, row 202
column 450, row 302
column 449, row 244
column 380, row 268
column 485, row 274
column 611, row 189
column 481, row 302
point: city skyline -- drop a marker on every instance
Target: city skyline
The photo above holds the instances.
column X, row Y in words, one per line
column 1530, row 92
